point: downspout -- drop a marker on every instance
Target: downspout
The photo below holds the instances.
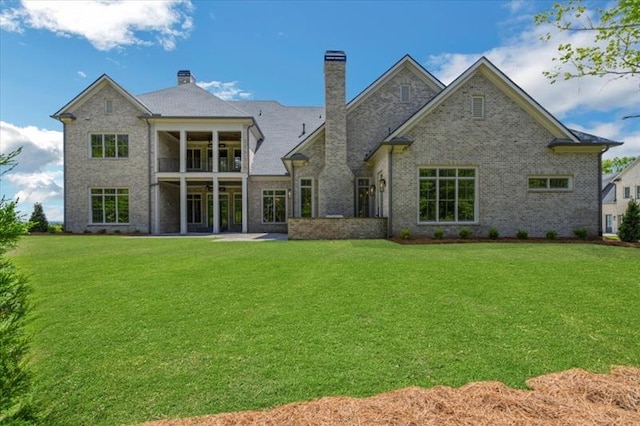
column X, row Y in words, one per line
column 64, row 173
column 390, row 194
column 600, row 190
column 245, row 215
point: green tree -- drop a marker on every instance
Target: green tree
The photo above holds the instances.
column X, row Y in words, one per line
column 614, row 49
column 617, row 164
column 630, row 227
column 38, row 220
column 14, row 377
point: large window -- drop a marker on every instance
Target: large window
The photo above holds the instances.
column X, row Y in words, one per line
column 109, row 145
column 194, row 208
column 109, row 205
column 447, row 195
column 274, row 206
column 306, row 198
column 549, row 183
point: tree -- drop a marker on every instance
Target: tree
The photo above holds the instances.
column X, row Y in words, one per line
column 616, row 165
column 630, row 227
column 38, row 219
column 614, row 49
column 14, row 290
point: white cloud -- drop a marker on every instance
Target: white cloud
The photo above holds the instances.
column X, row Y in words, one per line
column 105, row 24
column 225, row 90
column 37, row 187
column 40, row 147
column 82, row 74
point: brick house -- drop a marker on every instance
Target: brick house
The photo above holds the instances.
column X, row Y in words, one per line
column 618, row 189
column 407, row 153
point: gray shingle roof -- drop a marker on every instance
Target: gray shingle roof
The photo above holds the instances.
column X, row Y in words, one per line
column 188, row 100
column 282, row 127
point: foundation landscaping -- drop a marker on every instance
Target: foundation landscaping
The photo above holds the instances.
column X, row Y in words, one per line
column 132, row 329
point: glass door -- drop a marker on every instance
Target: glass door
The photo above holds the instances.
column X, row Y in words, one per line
column 223, row 203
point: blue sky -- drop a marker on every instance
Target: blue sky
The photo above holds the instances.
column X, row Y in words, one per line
column 51, row 51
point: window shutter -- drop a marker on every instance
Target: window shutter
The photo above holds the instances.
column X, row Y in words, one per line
column 477, row 107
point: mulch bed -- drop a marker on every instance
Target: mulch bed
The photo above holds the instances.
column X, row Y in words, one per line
column 425, row 240
column 572, row 397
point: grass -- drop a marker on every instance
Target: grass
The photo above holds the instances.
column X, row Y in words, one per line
column 132, row 329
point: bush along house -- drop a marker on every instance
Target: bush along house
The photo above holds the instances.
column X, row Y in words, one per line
column 408, row 154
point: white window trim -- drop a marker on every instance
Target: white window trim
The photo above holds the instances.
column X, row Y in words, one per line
column 548, row 179
column 286, row 207
column 408, row 99
column 313, row 198
column 90, row 146
column 476, row 193
column 482, row 107
column 116, row 223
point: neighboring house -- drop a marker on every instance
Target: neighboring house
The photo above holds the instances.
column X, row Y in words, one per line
column 407, row 154
column 617, row 190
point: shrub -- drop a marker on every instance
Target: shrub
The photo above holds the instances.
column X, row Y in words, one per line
column 522, row 235
column 405, row 233
column 493, row 233
column 55, row 229
column 629, row 230
column 465, row 233
column 552, row 235
column 102, row 231
column 38, row 219
column 438, row 234
column 581, row 233
column 87, row 231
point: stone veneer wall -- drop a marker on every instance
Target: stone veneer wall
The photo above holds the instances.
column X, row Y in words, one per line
column 337, row 228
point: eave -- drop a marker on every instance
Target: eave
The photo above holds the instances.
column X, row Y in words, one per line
column 397, row 142
column 565, row 145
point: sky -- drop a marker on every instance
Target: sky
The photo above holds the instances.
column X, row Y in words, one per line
column 52, row 50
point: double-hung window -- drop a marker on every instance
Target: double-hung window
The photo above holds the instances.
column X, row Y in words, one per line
column 447, row 195
column 627, row 192
column 109, row 145
column 274, row 206
column 109, row 205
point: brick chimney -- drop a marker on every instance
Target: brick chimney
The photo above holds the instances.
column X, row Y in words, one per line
column 335, row 190
column 185, row 77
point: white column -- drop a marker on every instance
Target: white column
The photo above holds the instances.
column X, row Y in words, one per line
column 183, row 151
column 214, row 151
column 216, row 204
column 156, row 209
column 245, row 204
column 183, row 204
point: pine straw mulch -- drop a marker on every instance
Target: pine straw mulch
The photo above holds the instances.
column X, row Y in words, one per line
column 572, row 397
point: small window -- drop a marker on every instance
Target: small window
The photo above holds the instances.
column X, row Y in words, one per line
column 627, row 192
column 550, row 183
column 405, row 93
column 108, row 106
column 477, row 107
column 637, row 192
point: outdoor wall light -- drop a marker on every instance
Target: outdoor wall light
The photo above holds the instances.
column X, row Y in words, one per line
column 383, row 184
column 289, row 193
column 372, row 190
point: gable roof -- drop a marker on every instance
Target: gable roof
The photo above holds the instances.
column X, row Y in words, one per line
column 484, row 66
column 100, row 82
column 189, row 100
column 405, row 62
column 283, row 128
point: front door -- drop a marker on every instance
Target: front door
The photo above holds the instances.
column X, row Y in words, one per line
column 223, row 203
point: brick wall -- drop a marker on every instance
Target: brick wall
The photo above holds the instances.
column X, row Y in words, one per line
column 83, row 172
column 337, row 228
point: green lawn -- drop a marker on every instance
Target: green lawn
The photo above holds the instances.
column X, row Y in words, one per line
column 132, row 329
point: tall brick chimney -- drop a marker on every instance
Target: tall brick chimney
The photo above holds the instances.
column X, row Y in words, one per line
column 335, row 191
